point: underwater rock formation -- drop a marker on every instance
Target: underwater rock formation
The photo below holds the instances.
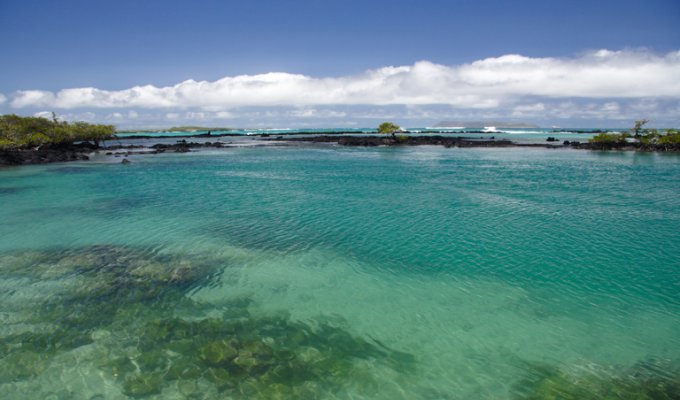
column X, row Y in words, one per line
column 644, row 381
column 156, row 340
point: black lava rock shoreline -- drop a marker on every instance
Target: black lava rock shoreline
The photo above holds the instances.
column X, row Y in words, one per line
column 82, row 151
column 457, row 141
column 370, row 141
column 47, row 154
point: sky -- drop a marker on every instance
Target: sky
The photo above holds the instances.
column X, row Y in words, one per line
column 341, row 63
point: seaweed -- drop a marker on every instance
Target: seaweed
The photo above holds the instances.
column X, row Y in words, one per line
column 647, row 380
column 135, row 303
column 255, row 355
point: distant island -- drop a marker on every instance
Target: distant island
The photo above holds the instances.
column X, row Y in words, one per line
column 189, row 128
column 481, row 124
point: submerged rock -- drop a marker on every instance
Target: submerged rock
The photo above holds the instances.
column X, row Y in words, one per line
column 310, row 355
column 218, row 353
column 119, row 367
column 123, row 262
column 188, row 388
column 644, row 381
column 185, row 368
column 20, row 365
column 143, row 384
column 129, row 301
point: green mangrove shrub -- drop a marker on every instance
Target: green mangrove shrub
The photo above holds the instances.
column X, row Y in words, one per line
column 18, row 132
column 606, row 140
column 388, row 127
column 638, row 137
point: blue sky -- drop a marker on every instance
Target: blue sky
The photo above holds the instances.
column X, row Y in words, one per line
column 341, row 63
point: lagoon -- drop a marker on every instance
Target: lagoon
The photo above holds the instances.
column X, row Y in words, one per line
column 326, row 272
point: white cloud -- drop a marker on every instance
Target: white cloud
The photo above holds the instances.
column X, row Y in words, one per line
column 43, row 114
column 33, row 98
column 483, row 84
column 305, row 113
column 589, row 110
column 115, row 116
column 80, row 116
column 528, row 110
column 314, row 113
column 194, row 115
column 2, row 98
column 611, row 107
column 224, row 115
column 645, row 105
column 86, row 116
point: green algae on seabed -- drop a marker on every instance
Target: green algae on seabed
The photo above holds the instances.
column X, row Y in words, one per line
column 148, row 338
column 251, row 356
column 643, row 381
column 133, row 303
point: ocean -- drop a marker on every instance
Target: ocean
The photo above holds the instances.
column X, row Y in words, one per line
column 351, row 273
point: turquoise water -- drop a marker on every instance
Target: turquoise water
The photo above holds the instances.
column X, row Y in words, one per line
column 325, row 272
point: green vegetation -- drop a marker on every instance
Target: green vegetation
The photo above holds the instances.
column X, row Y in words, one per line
column 606, row 140
column 638, row 127
column 645, row 139
column 644, row 381
column 24, row 132
column 672, row 136
column 388, row 127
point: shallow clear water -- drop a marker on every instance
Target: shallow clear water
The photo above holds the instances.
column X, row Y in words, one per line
column 324, row 272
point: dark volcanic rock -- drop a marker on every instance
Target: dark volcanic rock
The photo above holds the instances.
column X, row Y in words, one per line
column 182, row 146
column 42, row 156
column 445, row 141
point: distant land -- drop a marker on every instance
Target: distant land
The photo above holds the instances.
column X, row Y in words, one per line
column 481, row 124
column 176, row 129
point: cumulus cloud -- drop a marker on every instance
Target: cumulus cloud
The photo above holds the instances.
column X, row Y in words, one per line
column 224, row 115
column 2, row 98
column 483, row 84
column 88, row 116
column 43, row 114
column 33, row 98
column 528, row 110
column 314, row 113
column 115, row 116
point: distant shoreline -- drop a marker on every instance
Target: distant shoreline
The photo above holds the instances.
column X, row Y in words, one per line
column 81, row 152
column 472, row 131
column 455, row 141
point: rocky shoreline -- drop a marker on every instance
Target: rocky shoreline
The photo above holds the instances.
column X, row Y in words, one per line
column 47, row 154
column 457, row 141
column 82, row 151
column 353, row 132
column 370, row 141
